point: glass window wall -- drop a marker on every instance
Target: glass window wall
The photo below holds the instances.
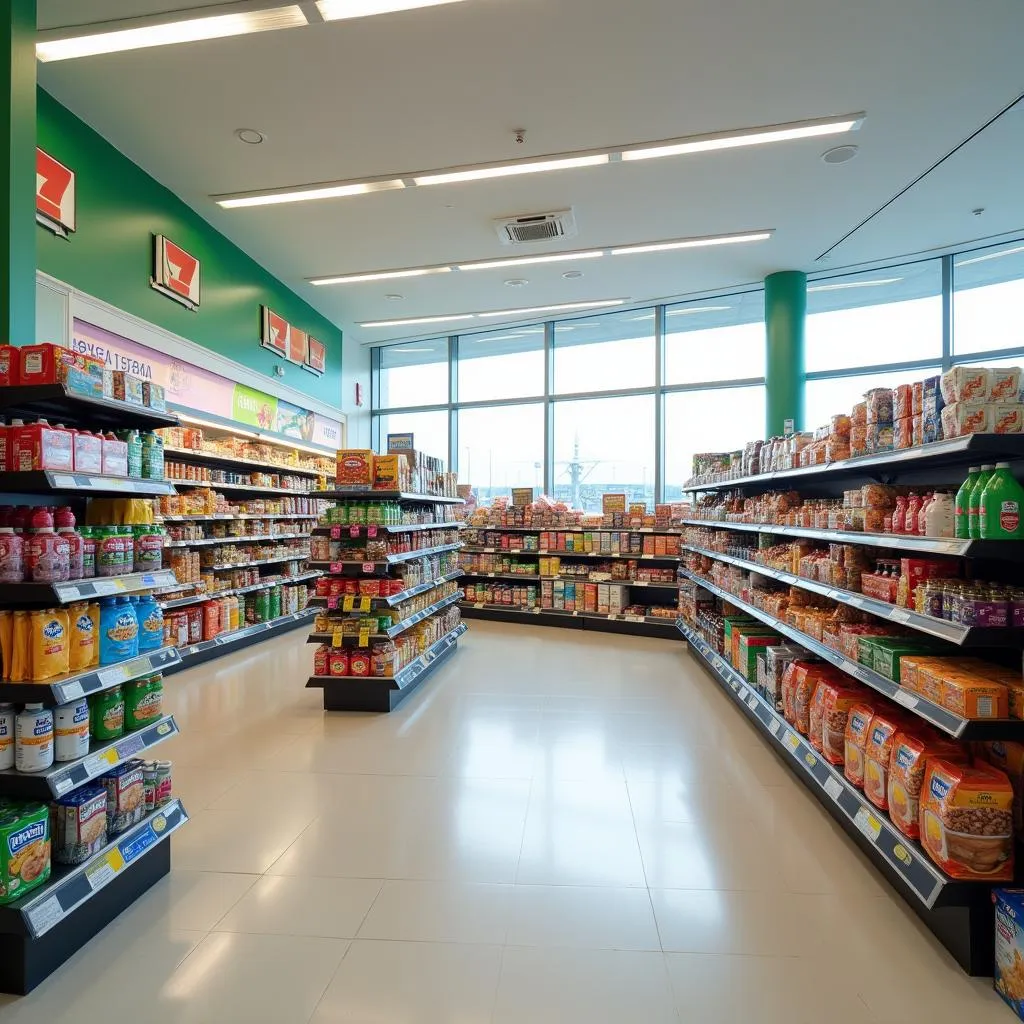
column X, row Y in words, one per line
column 611, row 352
column 414, row 374
column 988, row 296
column 502, row 364
column 501, row 447
column 712, row 340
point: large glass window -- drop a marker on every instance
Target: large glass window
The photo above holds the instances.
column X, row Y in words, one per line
column 988, row 296
column 875, row 317
column 415, row 374
column 831, row 395
column 715, row 420
column 502, row 364
column 429, row 430
column 501, row 447
column 717, row 339
column 604, row 444
column 612, row 352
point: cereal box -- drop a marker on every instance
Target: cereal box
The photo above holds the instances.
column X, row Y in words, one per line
column 1008, row 972
column 355, row 467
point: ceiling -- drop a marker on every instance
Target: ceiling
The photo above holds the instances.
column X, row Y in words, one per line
column 447, row 86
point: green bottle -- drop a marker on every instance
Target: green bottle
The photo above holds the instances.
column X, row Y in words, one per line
column 961, row 526
column 1000, row 506
column 974, row 502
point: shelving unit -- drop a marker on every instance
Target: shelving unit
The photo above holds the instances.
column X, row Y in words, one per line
column 958, row 912
column 233, row 462
column 46, row 926
column 383, row 693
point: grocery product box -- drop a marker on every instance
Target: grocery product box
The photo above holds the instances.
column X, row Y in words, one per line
column 750, row 646
column 887, row 653
column 39, row 446
column 354, row 467
column 385, row 472
column 154, row 396
column 53, row 364
column 965, row 384
column 974, row 697
column 915, row 571
column 618, row 598
column 739, row 634
column 1008, row 972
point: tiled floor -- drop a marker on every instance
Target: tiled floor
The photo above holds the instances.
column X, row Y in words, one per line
column 561, row 827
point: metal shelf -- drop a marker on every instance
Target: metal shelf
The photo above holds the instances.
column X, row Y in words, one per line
column 942, row 718
column 276, row 581
column 228, row 517
column 392, row 631
column 923, row 545
column 886, row 843
column 656, row 620
column 571, row 554
column 953, row 632
column 297, row 556
column 338, row 531
column 20, row 595
column 392, row 599
column 214, row 485
column 93, row 680
column 104, row 755
column 48, row 481
column 233, row 460
column 55, row 403
column 673, row 585
column 206, row 541
column 666, row 531
column 339, row 566
column 955, row 451
column 361, row 493
column 242, row 636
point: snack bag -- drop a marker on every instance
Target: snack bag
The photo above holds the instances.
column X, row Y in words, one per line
column 967, row 820
column 49, row 644
column 24, row 849
column 1008, row 757
column 911, row 751
column 7, row 643
column 837, row 699
column 858, row 725
column 84, row 651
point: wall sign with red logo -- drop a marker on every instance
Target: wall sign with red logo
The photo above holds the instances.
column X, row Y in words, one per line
column 316, row 358
column 176, row 273
column 287, row 340
column 55, row 195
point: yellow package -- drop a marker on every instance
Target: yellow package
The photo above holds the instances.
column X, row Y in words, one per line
column 20, row 663
column 94, row 614
column 84, row 649
column 50, row 644
column 7, row 643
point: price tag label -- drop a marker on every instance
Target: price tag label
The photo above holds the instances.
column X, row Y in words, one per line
column 734, row 684
column 743, row 693
column 364, row 637
column 908, row 700
column 899, row 615
column 791, row 740
column 100, row 873
column 369, row 566
column 97, row 765
column 71, row 691
column 353, row 531
column 332, row 603
column 478, row 604
column 752, row 701
column 335, row 533
column 337, row 637
column 129, row 746
column 773, row 728
column 833, row 787
column 363, row 604
column 349, row 601
column 717, row 663
column 46, row 915
column 62, row 785
column 337, row 567
column 868, row 824
column 371, row 531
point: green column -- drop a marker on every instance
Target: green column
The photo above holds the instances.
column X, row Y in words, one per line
column 18, row 205
column 785, row 310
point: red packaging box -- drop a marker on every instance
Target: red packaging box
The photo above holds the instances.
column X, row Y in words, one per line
column 88, row 452
column 39, row 363
column 914, row 572
column 882, row 588
column 40, row 446
column 10, row 366
column 115, row 457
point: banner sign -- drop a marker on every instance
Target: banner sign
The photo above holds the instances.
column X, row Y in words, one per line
column 298, row 347
column 278, row 335
column 55, row 195
column 400, row 443
column 316, row 359
column 522, row 495
column 612, row 503
column 176, row 273
column 274, row 333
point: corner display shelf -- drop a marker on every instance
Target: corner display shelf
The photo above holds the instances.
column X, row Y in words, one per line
column 959, row 913
column 384, row 693
column 49, row 924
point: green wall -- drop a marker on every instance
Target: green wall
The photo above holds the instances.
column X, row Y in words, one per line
column 110, row 256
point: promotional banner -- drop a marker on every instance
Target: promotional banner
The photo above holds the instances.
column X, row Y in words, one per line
column 253, row 407
column 298, row 347
column 317, row 358
column 274, row 333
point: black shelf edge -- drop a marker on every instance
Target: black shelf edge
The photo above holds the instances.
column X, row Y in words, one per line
column 954, row 451
column 207, row 541
column 393, row 631
column 19, row 595
column 338, row 531
column 63, row 777
column 951, row 547
column 81, row 684
column 49, row 481
column 333, row 603
column 277, row 581
column 660, row 531
column 58, row 405
column 194, row 654
column 231, row 460
column 952, row 632
column 673, row 585
column 340, row 567
column 947, row 721
column 361, row 493
column 227, row 518
column 888, row 845
column 654, row 626
column 637, row 557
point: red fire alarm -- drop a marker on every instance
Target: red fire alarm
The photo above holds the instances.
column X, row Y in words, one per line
column 359, row 395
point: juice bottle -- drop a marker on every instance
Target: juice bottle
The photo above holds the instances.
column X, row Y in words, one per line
column 960, row 522
column 1000, row 504
column 974, row 502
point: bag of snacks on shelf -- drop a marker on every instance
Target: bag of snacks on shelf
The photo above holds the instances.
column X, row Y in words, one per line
column 24, row 849
column 877, row 754
column 858, row 726
column 912, row 748
column 967, row 820
column 1008, row 757
column 837, row 698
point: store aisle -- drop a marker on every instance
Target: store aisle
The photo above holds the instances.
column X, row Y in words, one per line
column 561, row 827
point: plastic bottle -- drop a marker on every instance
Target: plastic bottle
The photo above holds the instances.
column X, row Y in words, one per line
column 134, row 442
column 71, row 731
column 7, row 717
column 47, row 560
column 899, row 515
column 151, row 624
column 106, row 714
column 33, row 739
column 1000, row 506
column 923, row 513
column 974, row 502
column 119, row 630
column 962, row 504
column 939, row 519
column 12, row 555
column 88, row 552
column 64, row 521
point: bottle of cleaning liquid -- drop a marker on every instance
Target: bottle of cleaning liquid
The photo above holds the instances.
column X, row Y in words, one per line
column 1000, row 506
column 974, row 502
column 960, row 510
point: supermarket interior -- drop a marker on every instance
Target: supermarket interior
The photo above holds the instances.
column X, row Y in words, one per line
column 486, row 543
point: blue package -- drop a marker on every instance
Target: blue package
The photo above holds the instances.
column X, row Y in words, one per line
column 1008, row 973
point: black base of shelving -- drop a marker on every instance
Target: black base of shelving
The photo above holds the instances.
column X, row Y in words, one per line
column 965, row 929
column 666, row 631
column 25, row 962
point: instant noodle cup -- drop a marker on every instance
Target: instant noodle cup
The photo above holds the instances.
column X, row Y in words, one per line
column 858, row 724
column 911, row 750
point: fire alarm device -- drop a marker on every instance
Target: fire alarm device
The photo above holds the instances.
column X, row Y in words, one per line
column 359, row 395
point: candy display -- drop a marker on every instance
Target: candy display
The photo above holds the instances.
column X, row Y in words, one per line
column 324, row 548
column 386, row 513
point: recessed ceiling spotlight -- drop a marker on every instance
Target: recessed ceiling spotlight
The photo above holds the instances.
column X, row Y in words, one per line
column 250, row 136
column 572, row 275
column 394, row 297
column 516, row 282
column 839, row 154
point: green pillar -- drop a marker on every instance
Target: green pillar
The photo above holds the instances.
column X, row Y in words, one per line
column 785, row 310
column 18, row 204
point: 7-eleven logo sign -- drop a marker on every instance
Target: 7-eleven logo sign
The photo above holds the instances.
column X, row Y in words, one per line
column 55, row 194
column 176, row 272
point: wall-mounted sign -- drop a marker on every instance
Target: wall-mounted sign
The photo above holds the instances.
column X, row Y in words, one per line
column 400, row 443
column 316, row 358
column 274, row 331
column 298, row 346
column 55, row 195
column 176, row 273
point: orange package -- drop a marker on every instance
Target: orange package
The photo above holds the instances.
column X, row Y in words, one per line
column 967, row 820
column 858, row 725
column 817, row 714
column 911, row 751
column 973, row 696
column 808, row 676
column 837, row 699
column 1008, row 757
column 877, row 754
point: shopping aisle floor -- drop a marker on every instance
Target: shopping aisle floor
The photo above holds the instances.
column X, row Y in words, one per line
column 560, row 827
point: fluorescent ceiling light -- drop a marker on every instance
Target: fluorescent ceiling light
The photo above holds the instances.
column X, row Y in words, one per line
column 386, row 275
column 690, row 310
column 555, row 309
column 990, row 256
column 747, row 137
column 690, row 243
column 304, row 194
column 417, row 320
column 521, row 261
column 339, row 10
column 507, row 170
column 840, row 286
column 168, row 33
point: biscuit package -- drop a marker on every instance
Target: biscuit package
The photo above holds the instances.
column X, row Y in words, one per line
column 80, row 825
column 911, row 751
column 24, row 849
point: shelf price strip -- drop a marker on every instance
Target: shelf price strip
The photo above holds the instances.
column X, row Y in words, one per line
column 900, row 853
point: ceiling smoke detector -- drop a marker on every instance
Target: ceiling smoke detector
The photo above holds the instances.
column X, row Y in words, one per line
column 536, row 227
column 250, row 136
column 839, row 154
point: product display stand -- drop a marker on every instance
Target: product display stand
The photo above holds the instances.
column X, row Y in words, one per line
column 372, row 692
column 50, row 923
column 959, row 912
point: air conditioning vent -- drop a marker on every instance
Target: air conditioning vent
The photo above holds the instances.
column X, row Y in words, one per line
column 536, row 227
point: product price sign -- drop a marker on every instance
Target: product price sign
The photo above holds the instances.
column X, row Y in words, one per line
column 337, row 567
column 353, row 531
column 337, row 638
column 369, row 566
column 349, row 601
column 522, row 495
column 868, row 824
